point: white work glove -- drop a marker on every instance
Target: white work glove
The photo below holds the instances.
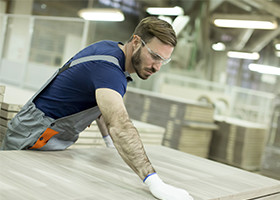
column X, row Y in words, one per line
column 164, row 191
column 108, row 141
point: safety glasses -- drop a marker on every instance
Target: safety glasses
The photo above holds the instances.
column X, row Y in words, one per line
column 156, row 57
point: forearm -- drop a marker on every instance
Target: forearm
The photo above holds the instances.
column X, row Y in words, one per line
column 123, row 133
column 129, row 145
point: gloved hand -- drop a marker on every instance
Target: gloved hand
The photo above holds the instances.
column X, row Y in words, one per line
column 164, row 191
column 108, row 141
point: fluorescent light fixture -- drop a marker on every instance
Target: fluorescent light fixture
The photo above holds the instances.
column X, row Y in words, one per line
column 169, row 11
column 219, row 46
column 277, row 46
column 243, row 55
column 179, row 23
column 101, row 14
column 244, row 21
column 264, row 69
column 230, row 23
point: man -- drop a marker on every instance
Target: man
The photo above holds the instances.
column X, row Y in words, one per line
column 90, row 86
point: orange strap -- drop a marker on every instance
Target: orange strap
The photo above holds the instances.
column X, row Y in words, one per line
column 44, row 138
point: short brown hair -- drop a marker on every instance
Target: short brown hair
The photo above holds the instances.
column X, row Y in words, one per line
column 150, row 27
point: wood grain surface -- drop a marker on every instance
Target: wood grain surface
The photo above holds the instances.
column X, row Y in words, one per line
column 100, row 173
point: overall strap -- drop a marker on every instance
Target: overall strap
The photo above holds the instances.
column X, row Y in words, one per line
column 107, row 58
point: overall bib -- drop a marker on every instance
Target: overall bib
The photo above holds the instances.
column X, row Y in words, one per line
column 32, row 129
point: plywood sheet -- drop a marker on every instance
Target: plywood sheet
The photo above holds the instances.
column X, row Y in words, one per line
column 100, row 173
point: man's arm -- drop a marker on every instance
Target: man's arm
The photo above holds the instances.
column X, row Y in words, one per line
column 123, row 133
column 129, row 145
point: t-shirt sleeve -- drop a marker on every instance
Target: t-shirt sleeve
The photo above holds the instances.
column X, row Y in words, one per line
column 108, row 75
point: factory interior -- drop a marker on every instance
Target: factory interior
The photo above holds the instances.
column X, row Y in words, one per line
column 209, row 119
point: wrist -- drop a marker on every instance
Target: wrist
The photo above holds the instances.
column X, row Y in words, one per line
column 153, row 180
column 152, row 174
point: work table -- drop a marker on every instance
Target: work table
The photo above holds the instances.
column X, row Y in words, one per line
column 100, row 173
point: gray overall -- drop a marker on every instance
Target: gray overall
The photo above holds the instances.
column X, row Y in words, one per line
column 32, row 129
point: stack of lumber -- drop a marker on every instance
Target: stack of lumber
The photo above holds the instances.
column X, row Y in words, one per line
column 91, row 136
column 188, row 124
column 7, row 112
column 238, row 143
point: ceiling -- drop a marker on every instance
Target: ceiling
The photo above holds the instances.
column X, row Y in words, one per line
column 235, row 39
column 245, row 39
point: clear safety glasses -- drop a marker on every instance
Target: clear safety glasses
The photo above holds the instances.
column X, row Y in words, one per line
column 156, row 57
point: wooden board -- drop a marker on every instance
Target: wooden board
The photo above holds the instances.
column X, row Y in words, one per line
column 100, row 173
column 7, row 114
column 11, row 107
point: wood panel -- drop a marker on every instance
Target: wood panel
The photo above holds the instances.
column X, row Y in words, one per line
column 100, row 173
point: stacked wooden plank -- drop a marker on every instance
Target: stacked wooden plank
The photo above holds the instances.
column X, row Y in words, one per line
column 177, row 116
column 238, row 143
column 91, row 136
column 7, row 112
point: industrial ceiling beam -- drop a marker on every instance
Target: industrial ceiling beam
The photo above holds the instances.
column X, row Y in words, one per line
column 268, row 6
column 242, row 39
column 260, row 42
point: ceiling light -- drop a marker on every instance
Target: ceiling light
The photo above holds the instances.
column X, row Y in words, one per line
column 101, row 14
column 219, row 46
column 244, row 55
column 277, row 46
column 179, row 23
column 244, row 21
column 264, row 69
column 170, row 11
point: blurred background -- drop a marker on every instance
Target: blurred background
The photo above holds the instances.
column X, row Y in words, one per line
column 220, row 90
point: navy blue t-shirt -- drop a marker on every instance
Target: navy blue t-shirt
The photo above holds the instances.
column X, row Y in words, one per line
column 73, row 90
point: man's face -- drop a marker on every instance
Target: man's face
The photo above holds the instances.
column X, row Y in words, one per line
column 149, row 58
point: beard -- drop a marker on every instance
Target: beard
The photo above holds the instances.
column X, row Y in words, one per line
column 137, row 64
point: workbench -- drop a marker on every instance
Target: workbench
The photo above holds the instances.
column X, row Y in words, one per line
column 100, row 173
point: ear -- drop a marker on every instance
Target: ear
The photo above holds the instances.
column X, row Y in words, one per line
column 136, row 42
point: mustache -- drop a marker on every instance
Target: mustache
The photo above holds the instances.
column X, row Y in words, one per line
column 153, row 70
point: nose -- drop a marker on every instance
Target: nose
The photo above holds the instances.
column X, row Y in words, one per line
column 156, row 67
